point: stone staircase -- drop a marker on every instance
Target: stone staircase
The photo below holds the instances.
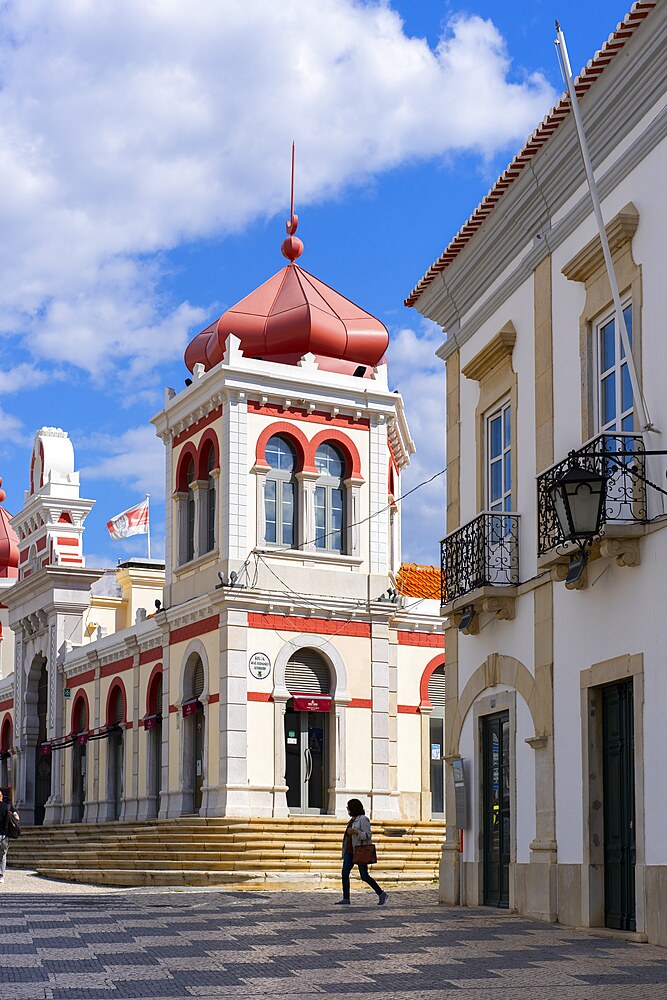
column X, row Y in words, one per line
column 254, row 853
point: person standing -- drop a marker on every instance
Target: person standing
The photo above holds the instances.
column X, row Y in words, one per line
column 357, row 834
column 5, row 809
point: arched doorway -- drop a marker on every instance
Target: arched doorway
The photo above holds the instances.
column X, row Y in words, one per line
column 153, row 727
column 79, row 755
column 6, row 760
column 43, row 756
column 307, row 735
column 436, row 722
column 116, row 749
column 194, row 734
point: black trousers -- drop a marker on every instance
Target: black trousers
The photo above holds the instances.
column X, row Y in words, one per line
column 348, row 865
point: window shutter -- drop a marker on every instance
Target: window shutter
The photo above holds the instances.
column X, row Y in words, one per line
column 436, row 687
column 82, row 714
column 198, row 679
column 307, row 673
column 118, row 708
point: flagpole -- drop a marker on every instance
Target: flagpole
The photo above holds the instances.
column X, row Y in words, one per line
column 148, row 533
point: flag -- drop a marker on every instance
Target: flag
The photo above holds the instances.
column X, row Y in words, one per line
column 131, row 522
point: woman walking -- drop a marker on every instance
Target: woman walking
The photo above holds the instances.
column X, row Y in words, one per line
column 357, row 834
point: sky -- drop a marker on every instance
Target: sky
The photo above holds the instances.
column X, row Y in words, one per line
column 144, row 187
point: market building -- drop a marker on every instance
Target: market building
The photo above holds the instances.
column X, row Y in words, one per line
column 282, row 658
column 555, row 629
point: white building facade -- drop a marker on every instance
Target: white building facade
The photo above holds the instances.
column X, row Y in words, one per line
column 275, row 664
column 555, row 689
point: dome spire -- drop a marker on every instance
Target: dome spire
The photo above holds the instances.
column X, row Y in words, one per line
column 292, row 247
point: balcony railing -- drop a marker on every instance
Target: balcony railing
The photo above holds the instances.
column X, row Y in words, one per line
column 483, row 553
column 620, row 458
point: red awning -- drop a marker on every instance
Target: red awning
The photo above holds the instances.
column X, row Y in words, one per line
column 312, row 702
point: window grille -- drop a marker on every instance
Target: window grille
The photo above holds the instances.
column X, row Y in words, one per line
column 436, row 687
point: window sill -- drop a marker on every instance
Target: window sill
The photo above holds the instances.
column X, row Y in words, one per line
column 309, row 556
column 187, row 567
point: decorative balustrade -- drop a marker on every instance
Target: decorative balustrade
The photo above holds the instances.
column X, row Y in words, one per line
column 621, row 458
column 483, row 553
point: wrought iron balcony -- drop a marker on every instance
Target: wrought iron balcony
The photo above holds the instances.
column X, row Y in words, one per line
column 621, row 458
column 483, row 553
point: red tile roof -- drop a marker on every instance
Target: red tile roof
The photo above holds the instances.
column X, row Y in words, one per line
column 415, row 580
column 540, row 136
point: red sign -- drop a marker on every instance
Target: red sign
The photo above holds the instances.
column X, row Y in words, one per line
column 190, row 708
column 82, row 739
column 46, row 749
column 312, row 703
column 150, row 721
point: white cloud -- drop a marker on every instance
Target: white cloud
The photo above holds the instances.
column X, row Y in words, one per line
column 25, row 376
column 12, row 431
column 128, row 127
column 420, row 376
column 134, row 458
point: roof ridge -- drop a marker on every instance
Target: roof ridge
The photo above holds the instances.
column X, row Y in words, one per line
column 536, row 140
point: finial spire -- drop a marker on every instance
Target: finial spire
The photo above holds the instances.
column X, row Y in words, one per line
column 292, row 247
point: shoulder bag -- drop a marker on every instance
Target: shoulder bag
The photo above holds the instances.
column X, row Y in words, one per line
column 13, row 828
column 365, row 854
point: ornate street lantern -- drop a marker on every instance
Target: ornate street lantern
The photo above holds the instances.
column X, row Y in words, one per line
column 578, row 498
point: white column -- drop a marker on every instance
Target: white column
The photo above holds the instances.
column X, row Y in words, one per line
column 384, row 804
column 234, row 491
column 231, row 798
column 280, row 762
column 378, row 525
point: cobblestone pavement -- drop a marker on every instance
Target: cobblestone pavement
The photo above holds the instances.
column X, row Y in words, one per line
column 61, row 942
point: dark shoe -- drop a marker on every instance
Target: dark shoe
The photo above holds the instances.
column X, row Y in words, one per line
column 342, row 902
column 383, row 898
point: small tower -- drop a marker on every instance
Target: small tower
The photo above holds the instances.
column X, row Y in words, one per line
column 46, row 608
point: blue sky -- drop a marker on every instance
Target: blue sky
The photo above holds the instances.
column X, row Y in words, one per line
column 144, row 164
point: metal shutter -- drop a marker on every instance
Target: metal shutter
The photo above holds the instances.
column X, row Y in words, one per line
column 82, row 717
column 118, row 708
column 198, row 679
column 436, row 687
column 307, row 673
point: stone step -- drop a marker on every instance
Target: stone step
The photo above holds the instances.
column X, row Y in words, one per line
column 201, row 851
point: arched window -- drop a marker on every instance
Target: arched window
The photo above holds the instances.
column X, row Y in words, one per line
column 279, row 495
column 209, row 533
column 330, row 499
column 190, row 514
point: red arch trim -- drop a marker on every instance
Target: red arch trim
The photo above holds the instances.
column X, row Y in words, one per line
column 152, row 688
column 188, row 453
column 7, row 733
column 343, row 442
column 110, row 695
column 296, row 438
column 209, row 439
column 430, row 668
column 81, row 696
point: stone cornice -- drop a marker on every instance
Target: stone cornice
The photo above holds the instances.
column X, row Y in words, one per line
column 590, row 259
column 497, row 350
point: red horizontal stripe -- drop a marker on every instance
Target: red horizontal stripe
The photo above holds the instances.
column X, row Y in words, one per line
column 85, row 678
column 259, row 696
column 433, row 639
column 149, row 655
column 327, row 626
column 316, row 417
column 67, row 541
column 6, row 705
column 213, row 699
column 360, row 703
column 109, row 669
column 409, row 709
column 195, row 629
